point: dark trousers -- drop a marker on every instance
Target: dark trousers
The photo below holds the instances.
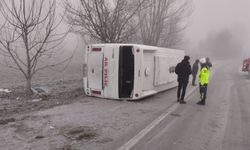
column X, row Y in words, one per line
column 194, row 78
column 181, row 90
column 203, row 92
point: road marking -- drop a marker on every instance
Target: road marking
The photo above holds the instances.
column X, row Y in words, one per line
column 143, row 132
column 147, row 129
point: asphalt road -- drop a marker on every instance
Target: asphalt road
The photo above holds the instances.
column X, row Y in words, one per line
column 222, row 124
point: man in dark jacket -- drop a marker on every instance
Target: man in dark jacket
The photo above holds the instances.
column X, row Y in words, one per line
column 208, row 63
column 195, row 69
column 183, row 70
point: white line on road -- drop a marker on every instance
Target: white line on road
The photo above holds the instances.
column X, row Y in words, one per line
column 141, row 134
column 146, row 130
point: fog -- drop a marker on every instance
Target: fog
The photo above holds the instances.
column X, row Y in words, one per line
column 215, row 28
column 211, row 21
column 219, row 26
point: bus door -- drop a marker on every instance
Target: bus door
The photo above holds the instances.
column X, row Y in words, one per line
column 95, row 63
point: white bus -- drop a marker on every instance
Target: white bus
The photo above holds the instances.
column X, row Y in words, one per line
column 129, row 71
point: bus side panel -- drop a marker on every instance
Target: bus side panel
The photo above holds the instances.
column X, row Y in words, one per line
column 165, row 69
column 173, row 61
column 162, row 74
column 148, row 70
column 138, row 72
column 157, row 71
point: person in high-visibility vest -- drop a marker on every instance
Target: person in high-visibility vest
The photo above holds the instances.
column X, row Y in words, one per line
column 203, row 82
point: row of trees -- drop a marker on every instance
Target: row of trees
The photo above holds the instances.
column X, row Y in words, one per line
column 30, row 35
column 150, row 22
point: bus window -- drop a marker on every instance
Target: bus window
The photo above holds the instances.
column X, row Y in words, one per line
column 126, row 71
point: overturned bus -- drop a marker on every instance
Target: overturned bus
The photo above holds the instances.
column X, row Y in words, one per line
column 129, row 71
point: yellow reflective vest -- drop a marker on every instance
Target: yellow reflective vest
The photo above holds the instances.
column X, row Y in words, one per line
column 203, row 76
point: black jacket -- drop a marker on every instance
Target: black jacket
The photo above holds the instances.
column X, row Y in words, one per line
column 183, row 70
column 195, row 68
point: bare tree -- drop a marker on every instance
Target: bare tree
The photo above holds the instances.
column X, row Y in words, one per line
column 172, row 34
column 102, row 20
column 161, row 21
column 29, row 36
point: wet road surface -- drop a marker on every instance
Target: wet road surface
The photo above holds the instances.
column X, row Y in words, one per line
column 222, row 124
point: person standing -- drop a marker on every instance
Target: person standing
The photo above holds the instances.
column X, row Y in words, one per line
column 208, row 63
column 183, row 70
column 203, row 83
column 195, row 69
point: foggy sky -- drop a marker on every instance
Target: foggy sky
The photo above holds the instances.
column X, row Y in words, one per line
column 213, row 15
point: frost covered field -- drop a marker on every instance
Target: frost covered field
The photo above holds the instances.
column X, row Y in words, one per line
column 61, row 81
